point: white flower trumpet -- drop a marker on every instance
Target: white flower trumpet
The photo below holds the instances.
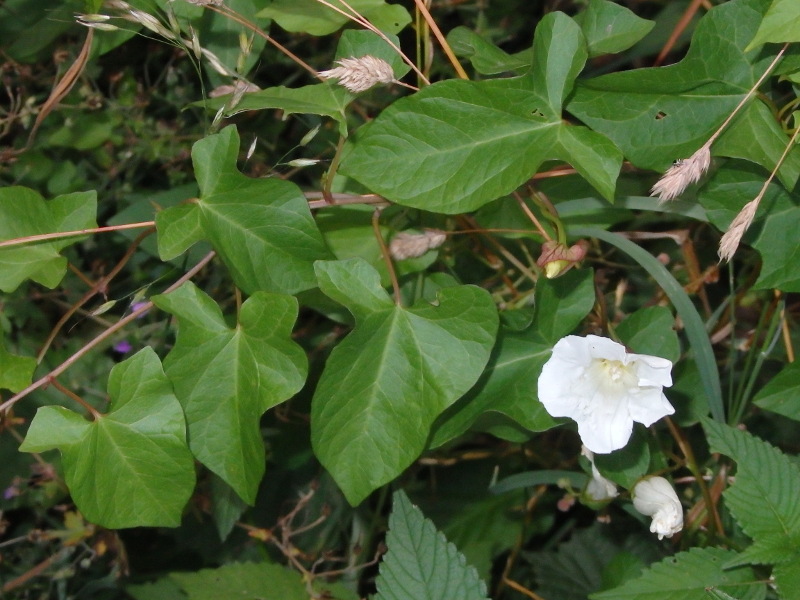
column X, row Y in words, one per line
column 604, row 389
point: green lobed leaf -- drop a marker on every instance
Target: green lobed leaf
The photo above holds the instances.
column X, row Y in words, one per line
column 687, row 576
column 248, row 581
column 656, row 115
column 782, row 394
column 315, row 18
column 781, row 23
column 23, row 212
column 386, row 382
column 226, row 378
column 326, row 99
column 261, row 228
column 774, row 229
column 764, row 498
column 420, row 563
column 16, row 372
column 610, row 28
column 509, row 384
column 130, row 467
column 651, row 330
column 456, row 145
column 485, row 57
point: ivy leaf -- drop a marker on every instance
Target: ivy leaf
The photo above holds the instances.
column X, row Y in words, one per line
column 774, row 230
column 315, row 18
column 782, row 393
column 781, row 23
column 386, row 382
column 764, row 498
column 486, row 58
column 509, row 384
column 16, row 372
column 23, row 212
column 610, row 28
column 262, row 228
column 456, row 145
column 130, row 467
column 420, row 563
column 656, row 115
column 687, row 576
column 225, row 378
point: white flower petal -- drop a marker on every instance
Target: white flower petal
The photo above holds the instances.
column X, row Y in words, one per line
column 604, row 389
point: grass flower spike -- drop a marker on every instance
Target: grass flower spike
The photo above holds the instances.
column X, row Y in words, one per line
column 360, row 74
column 655, row 498
column 604, row 389
column 682, row 174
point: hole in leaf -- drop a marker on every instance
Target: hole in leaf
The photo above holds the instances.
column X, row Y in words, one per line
column 660, row 115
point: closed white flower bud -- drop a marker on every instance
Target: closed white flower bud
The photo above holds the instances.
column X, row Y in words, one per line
column 360, row 74
column 599, row 488
column 655, row 497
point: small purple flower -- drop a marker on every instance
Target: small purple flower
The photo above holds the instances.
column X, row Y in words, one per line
column 123, row 347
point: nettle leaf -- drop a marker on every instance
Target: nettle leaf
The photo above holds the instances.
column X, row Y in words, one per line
column 16, row 372
column 781, row 24
column 23, row 212
column 687, row 576
column 509, row 384
column 610, row 28
column 774, row 230
column 420, row 563
column 456, row 145
column 130, row 467
column 315, row 18
column 782, row 393
column 764, row 498
column 225, row 378
column 656, row 115
column 386, row 382
column 261, row 228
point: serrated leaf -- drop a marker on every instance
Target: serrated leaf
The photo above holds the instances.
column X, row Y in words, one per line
column 764, row 498
column 456, row 145
column 656, row 115
column 16, row 372
column 485, row 57
column 509, row 384
column 420, row 563
column 651, row 330
column 781, row 23
column 386, row 382
column 315, row 18
column 610, row 28
column 248, row 581
column 687, row 576
column 225, row 378
column 782, row 394
column 261, row 228
column 774, row 229
column 130, row 467
column 23, row 212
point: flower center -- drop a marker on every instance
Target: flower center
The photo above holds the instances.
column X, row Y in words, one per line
column 614, row 376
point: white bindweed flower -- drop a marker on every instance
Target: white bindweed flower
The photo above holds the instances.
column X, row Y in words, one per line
column 604, row 389
column 361, row 73
column 599, row 488
column 655, row 498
